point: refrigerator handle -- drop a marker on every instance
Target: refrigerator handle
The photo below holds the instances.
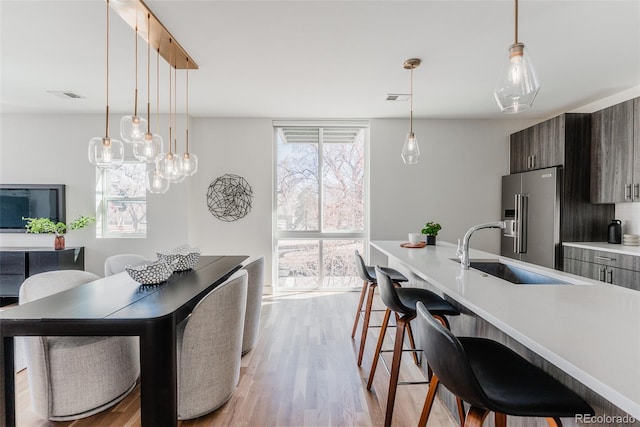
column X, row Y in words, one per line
column 520, row 240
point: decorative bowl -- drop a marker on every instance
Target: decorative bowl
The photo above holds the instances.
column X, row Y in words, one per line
column 150, row 272
column 181, row 258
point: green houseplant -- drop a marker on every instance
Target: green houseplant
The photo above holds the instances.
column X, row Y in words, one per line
column 431, row 230
column 47, row 226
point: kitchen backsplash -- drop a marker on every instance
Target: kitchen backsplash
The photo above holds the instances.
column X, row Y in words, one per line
column 629, row 214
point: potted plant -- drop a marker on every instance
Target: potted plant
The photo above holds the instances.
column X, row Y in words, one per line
column 47, row 226
column 431, row 230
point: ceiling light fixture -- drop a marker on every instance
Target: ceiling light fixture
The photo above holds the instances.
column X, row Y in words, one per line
column 105, row 152
column 410, row 149
column 189, row 160
column 169, row 166
column 156, row 184
column 150, row 146
column 518, row 84
column 132, row 127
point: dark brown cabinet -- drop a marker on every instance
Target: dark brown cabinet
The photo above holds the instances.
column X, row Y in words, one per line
column 609, row 267
column 543, row 145
column 16, row 264
column 615, row 153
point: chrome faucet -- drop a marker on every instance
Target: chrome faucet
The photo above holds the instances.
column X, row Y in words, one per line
column 463, row 252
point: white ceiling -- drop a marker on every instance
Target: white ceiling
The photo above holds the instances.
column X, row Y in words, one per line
column 322, row 59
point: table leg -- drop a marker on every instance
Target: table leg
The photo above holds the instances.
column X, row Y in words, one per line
column 7, row 383
column 158, row 374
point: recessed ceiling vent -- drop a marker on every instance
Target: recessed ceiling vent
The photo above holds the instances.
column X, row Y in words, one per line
column 398, row 97
column 65, row 94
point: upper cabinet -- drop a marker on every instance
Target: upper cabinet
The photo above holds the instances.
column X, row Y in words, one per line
column 615, row 153
column 539, row 146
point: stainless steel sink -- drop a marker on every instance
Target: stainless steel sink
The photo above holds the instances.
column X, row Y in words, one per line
column 513, row 274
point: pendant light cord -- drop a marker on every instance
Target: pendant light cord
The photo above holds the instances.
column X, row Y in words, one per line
column 106, row 133
column 516, row 27
column 170, row 109
column 149, row 73
column 175, row 109
column 135, row 102
column 411, row 104
column 158, row 90
column 187, row 117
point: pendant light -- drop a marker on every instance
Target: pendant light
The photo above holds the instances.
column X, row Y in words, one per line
column 156, row 184
column 518, row 84
column 132, row 127
column 105, row 152
column 168, row 164
column 189, row 160
column 150, row 146
column 410, row 149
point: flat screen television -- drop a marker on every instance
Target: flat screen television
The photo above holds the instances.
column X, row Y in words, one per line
column 30, row 201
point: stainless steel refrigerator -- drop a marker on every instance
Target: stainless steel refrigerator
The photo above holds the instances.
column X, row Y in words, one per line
column 531, row 208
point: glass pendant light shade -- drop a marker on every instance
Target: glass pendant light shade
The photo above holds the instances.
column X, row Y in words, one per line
column 155, row 183
column 169, row 166
column 148, row 149
column 106, row 153
column 518, row 84
column 132, row 129
column 410, row 149
column 189, row 164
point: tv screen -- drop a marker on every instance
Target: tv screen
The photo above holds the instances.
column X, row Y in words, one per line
column 30, row 201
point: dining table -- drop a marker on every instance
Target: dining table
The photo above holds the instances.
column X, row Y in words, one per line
column 118, row 306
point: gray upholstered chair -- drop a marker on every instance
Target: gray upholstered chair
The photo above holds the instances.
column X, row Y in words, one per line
column 255, row 271
column 116, row 263
column 75, row 377
column 209, row 344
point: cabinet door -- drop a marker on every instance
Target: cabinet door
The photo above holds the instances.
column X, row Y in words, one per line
column 520, row 150
column 548, row 143
column 612, row 154
column 636, row 150
column 584, row 269
column 625, row 278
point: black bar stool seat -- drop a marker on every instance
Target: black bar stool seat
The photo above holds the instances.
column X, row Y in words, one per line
column 368, row 275
column 492, row 378
column 410, row 296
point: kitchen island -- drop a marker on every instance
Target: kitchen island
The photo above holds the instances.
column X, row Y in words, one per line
column 584, row 333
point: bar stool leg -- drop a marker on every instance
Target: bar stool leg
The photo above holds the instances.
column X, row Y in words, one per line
column 395, row 366
column 554, row 422
column 365, row 285
column 500, row 419
column 365, row 324
column 412, row 344
column 475, row 417
column 428, row 402
column 376, row 354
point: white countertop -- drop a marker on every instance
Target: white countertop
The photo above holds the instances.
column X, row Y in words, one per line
column 609, row 247
column 590, row 330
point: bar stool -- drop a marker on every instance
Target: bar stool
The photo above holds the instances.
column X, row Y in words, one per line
column 402, row 301
column 491, row 377
column 368, row 275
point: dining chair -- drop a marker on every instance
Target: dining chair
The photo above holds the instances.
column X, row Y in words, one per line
column 72, row 377
column 255, row 286
column 116, row 263
column 209, row 348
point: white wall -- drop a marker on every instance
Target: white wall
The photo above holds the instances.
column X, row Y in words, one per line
column 240, row 147
column 456, row 183
column 52, row 149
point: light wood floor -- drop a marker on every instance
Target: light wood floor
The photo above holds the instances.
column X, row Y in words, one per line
column 302, row 373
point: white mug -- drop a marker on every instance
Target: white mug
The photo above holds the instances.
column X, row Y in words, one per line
column 415, row 238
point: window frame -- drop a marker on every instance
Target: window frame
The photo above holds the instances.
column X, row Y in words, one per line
column 320, row 235
column 102, row 203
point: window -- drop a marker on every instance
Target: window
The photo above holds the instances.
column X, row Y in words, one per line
column 320, row 205
column 121, row 201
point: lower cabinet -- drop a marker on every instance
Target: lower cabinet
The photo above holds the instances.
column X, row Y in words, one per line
column 616, row 269
column 16, row 264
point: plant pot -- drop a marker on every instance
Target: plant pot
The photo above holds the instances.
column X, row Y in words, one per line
column 58, row 243
column 431, row 240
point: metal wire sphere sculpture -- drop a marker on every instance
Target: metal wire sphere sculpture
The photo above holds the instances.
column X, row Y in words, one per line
column 229, row 197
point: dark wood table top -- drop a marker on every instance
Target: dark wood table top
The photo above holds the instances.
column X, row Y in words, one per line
column 119, row 297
